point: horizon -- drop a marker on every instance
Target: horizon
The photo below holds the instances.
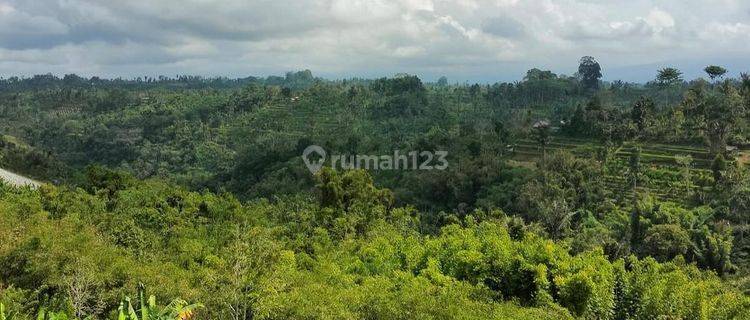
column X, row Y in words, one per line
column 700, row 74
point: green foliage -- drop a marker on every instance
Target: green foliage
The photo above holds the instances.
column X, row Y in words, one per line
column 263, row 260
column 715, row 71
column 2, row 313
column 669, row 76
column 149, row 310
column 590, row 72
column 664, row 242
column 642, row 111
column 228, row 215
column 718, row 166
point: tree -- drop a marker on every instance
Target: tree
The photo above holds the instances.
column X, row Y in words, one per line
column 640, row 113
column 343, row 190
column 442, row 82
column 713, row 249
column 668, row 76
column 634, row 168
column 715, row 71
column 666, row 241
column 722, row 113
column 685, row 164
column 542, row 135
column 718, row 166
column 745, row 88
column 745, row 82
column 537, row 75
column 590, row 72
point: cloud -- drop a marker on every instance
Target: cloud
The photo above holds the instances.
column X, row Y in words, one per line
column 483, row 40
column 659, row 20
column 505, row 27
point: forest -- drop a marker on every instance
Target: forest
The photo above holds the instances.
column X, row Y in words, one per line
column 565, row 197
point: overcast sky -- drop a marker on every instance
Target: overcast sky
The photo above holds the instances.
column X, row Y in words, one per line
column 466, row 40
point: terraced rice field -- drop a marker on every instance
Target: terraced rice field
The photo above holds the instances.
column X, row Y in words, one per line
column 663, row 176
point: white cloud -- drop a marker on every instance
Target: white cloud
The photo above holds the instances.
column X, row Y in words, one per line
column 659, row 20
column 465, row 39
column 726, row 31
column 6, row 8
column 409, row 51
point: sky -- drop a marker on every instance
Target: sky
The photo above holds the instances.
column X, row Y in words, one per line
column 464, row 40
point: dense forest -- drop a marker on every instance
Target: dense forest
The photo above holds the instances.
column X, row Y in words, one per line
column 565, row 197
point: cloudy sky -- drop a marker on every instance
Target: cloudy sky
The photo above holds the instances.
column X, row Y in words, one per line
column 466, row 40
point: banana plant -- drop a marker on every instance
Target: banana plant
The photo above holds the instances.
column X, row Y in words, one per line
column 148, row 310
column 176, row 310
column 49, row 315
column 2, row 313
column 7, row 315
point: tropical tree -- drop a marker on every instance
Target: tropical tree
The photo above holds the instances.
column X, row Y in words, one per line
column 722, row 115
column 718, row 166
column 590, row 72
column 537, row 75
column 541, row 131
column 668, row 76
column 745, row 88
column 713, row 249
column 666, row 241
column 635, row 169
column 640, row 113
column 148, row 309
column 714, row 71
column 685, row 165
column 2, row 313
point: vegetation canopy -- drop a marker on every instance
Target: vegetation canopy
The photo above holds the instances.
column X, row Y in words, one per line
column 565, row 197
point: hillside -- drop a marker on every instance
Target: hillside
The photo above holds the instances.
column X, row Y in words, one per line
column 554, row 200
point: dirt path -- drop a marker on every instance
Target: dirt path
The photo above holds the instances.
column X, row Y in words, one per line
column 17, row 180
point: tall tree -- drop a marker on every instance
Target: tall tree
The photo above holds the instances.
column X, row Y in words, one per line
column 641, row 110
column 685, row 165
column 590, row 72
column 723, row 112
column 668, row 76
column 542, row 135
column 718, row 166
column 745, row 88
column 536, row 75
column 745, row 82
column 634, row 173
column 635, row 169
column 715, row 71
column 442, row 82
